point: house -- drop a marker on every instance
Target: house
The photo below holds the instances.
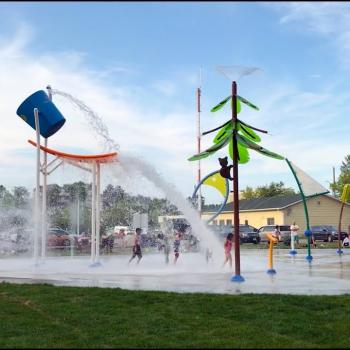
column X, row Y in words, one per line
column 283, row 210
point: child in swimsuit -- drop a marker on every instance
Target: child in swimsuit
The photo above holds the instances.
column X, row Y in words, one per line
column 227, row 249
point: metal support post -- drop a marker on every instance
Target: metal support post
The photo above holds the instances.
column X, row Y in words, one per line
column 37, row 191
column 93, row 215
column 43, row 207
column 98, row 204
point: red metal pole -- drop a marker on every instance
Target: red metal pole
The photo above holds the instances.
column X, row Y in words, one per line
column 199, row 148
column 237, row 276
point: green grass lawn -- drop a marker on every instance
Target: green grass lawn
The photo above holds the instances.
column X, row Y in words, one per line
column 44, row 316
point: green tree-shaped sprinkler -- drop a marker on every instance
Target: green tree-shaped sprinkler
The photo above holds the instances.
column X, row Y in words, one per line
column 240, row 137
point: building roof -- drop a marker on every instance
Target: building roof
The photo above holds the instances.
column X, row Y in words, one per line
column 277, row 202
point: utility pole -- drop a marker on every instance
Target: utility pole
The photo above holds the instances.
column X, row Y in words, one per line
column 333, row 189
column 199, row 200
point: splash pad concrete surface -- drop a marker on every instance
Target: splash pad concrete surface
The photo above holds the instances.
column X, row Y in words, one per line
column 328, row 274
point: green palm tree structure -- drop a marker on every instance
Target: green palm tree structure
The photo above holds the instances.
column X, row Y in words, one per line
column 239, row 136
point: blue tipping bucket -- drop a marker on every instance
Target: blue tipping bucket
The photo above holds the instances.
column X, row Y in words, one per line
column 50, row 118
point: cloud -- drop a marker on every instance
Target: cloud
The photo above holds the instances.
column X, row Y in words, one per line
column 165, row 87
column 321, row 17
column 12, row 47
column 159, row 136
column 330, row 20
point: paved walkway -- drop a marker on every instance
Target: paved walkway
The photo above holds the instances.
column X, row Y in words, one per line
column 327, row 274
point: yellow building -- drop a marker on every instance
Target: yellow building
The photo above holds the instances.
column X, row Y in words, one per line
column 283, row 210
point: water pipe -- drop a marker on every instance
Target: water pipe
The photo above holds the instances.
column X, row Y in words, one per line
column 93, row 215
column 37, row 191
column 98, row 206
column 292, row 244
column 44, row 198
column 272, row 240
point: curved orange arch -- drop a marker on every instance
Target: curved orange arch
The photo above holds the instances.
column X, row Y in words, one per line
column 99, row 158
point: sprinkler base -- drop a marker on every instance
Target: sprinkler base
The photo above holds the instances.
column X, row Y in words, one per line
column 237, row 278
column 293, row 252
column 271, row 271
column 309, row 258
column 339, row 251
column 95, row 264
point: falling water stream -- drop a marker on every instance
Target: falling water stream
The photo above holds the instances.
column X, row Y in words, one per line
column 131, row 164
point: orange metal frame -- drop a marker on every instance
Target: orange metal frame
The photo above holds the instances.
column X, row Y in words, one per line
column 98, row 158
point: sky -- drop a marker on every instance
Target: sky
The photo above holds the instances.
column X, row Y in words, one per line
column 137, row 65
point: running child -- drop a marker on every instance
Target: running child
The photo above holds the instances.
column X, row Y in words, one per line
column 177, row 247
column 136, row 249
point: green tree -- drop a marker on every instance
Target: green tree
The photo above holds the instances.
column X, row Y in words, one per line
column 21, row 197
column 343, row 178
column 53, row 195
column 112, row 195
column 81, row 190
column 6, row 198
column 62, row 219
column 3, row 191
column 248, row 193
column 271, row 190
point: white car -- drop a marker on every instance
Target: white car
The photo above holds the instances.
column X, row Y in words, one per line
column 284, row 229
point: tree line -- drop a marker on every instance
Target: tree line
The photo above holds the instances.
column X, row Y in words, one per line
column 271, row 190
column 65, row 203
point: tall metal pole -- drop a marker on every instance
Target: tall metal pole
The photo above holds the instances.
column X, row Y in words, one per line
column 199, row 203
column 78, row 215
column 98, row 185
column 333, row 190
column 44, row 199
column 237, row 277
column 37, row 191
column 43, row 207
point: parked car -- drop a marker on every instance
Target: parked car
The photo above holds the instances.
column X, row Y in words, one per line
column 60, row 238
column 247, row 233
column 326, row 233
column 84, row 241
column 129, row 239
column 343, row 234
column 284, row 229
